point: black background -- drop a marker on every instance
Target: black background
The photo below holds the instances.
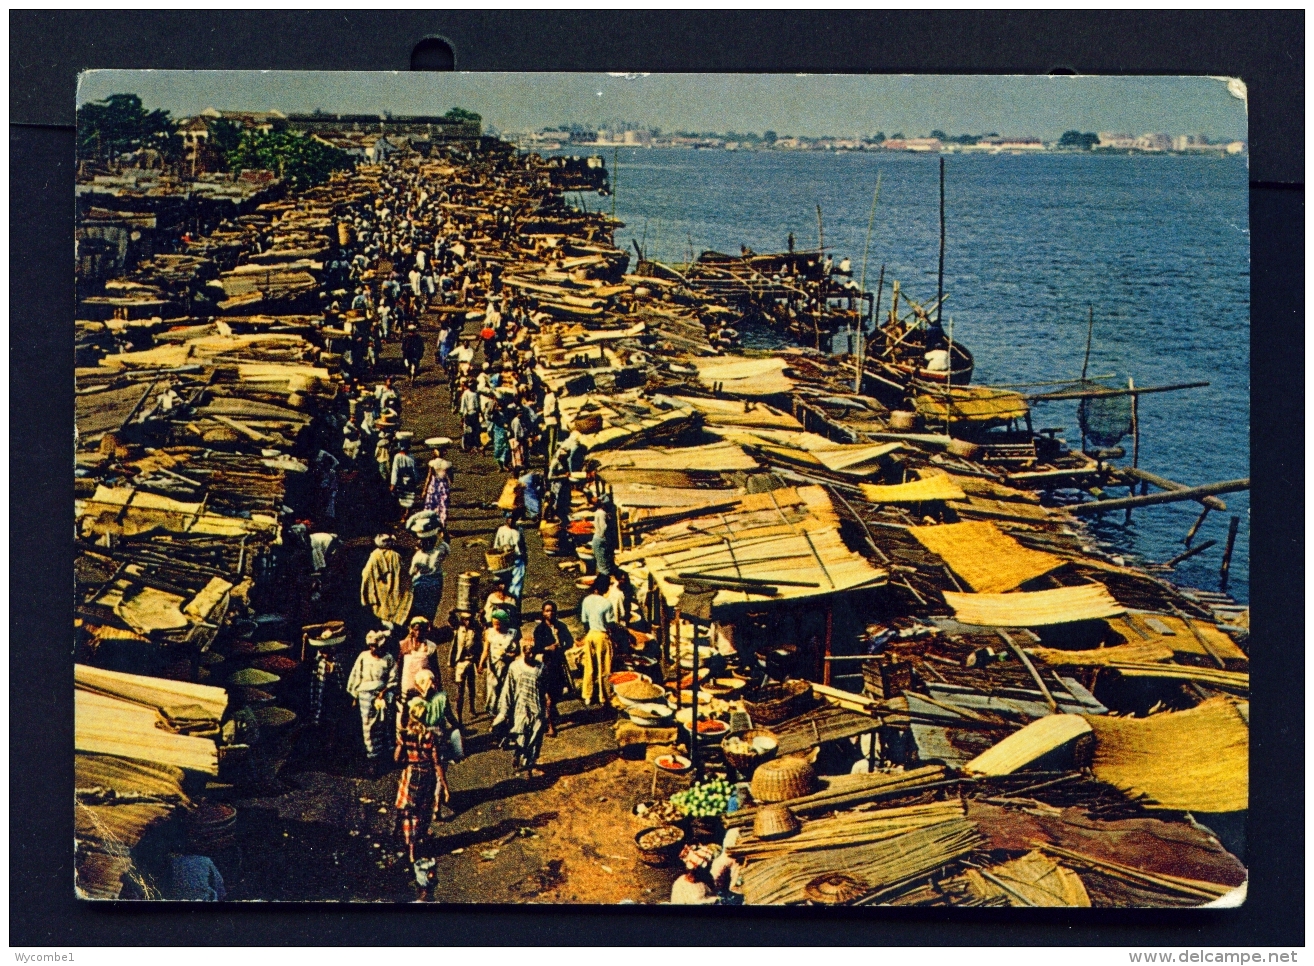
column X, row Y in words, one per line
column 47, row 50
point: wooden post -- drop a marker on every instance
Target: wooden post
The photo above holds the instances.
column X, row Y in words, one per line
column 830, row 628
column 821, row 238
column 1136, row 442
column 1195, row 527
column 694, row 756
column 1232, row 527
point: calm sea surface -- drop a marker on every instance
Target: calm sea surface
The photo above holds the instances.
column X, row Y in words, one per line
column 1160, row 246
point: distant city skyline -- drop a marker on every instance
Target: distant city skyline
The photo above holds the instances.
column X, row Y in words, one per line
column 814, row 105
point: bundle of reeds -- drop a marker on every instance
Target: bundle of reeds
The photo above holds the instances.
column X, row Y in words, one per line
column 1034, row 880
column 903, row 858
column 849, row 828
column 1196, row 760
column 846, row 791
column 106, row 725
column 1237, row 681
column 1156, row 881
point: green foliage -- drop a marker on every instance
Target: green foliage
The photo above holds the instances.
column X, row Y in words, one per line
column 1078, row 140
column 461, row 114
column 120, row 124
column 303, row 161
column 769, row 137
column 225, row 135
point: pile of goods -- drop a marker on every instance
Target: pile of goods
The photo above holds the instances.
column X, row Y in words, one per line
column 706, row 800
column 660, row 838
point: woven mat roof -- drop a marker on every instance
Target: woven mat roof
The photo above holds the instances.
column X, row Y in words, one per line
column 1032, row 742
column 972, row 404
column 1196, row 760
column 1061, row 605
column 724, row 457
column 914, row 491
column 985, row 558
column 1141, row 628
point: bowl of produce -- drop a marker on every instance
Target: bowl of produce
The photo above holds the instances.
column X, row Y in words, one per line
column 652, row 813
column 638, row 692
column 649, row 715
column 673, row 763
column 625, row 677
column 703, row 805
column 686, row 698
column 712, row 730
column 658, row 846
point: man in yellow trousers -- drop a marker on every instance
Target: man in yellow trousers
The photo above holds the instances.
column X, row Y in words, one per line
column 598, row 616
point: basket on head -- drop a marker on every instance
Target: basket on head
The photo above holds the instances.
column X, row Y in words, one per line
column 499, row 560
column 775, row 822
column 782, row 779
column 771, row 705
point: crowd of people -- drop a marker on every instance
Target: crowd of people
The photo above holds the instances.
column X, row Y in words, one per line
column 410, row 263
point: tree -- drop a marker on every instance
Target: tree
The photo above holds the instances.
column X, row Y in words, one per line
column 769, row 137
column 225, row 135
column 120, row 124
column 461, row 114
column 878, row 138
column 1078, row 141
column 939, row 135
column 300, row 160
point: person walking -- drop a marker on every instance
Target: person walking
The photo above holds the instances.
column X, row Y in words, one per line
column 426, row 574
column 467, row 646
column 605, row 534
column 418, row 653
column 422, row 788
column 509, row 538
column 373, row 685
column 499, row 652
column 438, row 478
column 598, row 616
column 385, row 585
column 412, row 347
column 551, row 641
column 405, row 477
column 520, row 709
column 468, row 408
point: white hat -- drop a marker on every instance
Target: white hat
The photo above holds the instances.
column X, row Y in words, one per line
column 384, row 540
column 437, row 441
column 375, row 637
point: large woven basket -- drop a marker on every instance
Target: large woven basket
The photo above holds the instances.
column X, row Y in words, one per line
column 746, row 763
column 778, row 702
column 775, row 822
column 586, row 424
column 782, row 779
column 499, row 560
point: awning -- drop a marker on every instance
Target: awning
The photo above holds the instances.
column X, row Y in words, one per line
column 1037, row 609
column 986, row 559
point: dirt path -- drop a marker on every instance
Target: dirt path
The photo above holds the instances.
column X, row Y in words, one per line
column 325, row 832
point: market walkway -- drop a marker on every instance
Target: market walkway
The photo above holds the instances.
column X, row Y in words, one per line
column 564, row 837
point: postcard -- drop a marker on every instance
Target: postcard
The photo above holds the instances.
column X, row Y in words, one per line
column 695, row 489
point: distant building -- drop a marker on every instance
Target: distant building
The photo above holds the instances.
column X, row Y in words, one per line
column 1154, row 142
column 1018, row 144
column 1115, row 142
column 916, row 145
column 433, row 128
column 262, row 121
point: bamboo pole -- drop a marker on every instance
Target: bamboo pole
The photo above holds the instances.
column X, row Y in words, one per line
column 862, row 284
column 1090, row 332
column 1212, row 502
column 1101, row 393
column 1188, row 554
column 1152, row 499
column 1031, row 669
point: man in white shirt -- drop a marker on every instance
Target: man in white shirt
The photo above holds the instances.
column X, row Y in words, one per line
column 599, row 617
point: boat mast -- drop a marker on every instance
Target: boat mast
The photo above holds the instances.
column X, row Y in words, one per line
column 939, row 285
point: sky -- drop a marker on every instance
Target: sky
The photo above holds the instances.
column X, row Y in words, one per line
column 814, row 105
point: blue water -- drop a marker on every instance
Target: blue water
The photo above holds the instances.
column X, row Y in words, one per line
column 1160, row 246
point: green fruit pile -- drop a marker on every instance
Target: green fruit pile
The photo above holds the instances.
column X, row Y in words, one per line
column 705, row 800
